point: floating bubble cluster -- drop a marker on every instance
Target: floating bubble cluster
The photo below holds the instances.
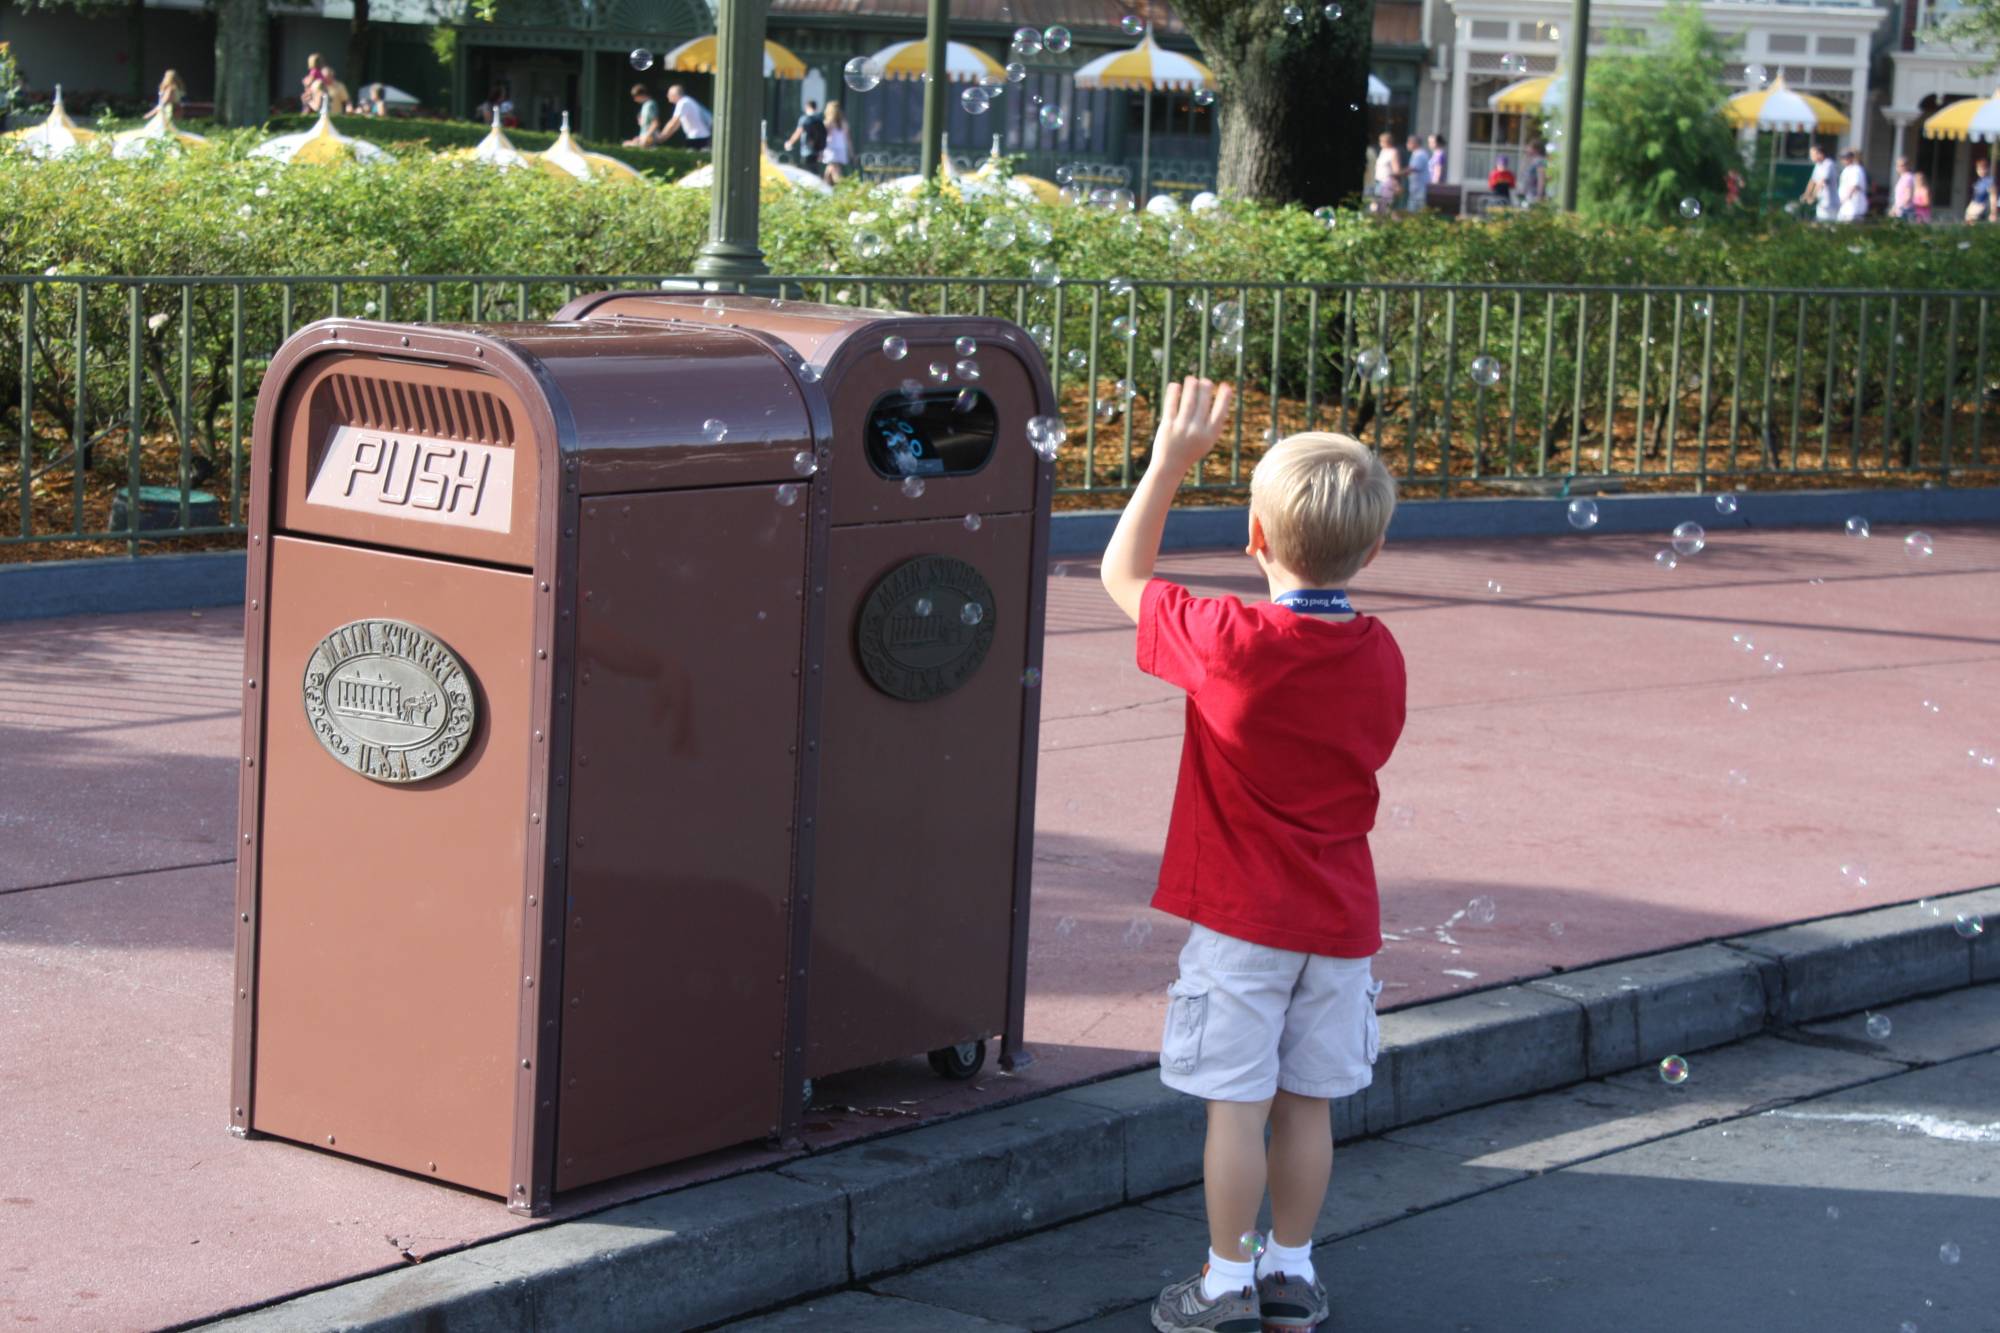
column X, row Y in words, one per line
column 1027, row 41
column 641, row 58
column 971, row 613
column 1294, row 15
column 975, row 101
column 1045, row 435
column 1666, row 559
column 1482, row 911
column 1204, row 97
column 1948, row 1252
column 1756, row 76
column 1969, row 925
column 1056, row 39
column 715, row 430
column 1251, row 1244
column 804, row 463
column 1690, row 207
column 895, row 348
column 1132, row 25
column 913, row 487
column 1373, row 364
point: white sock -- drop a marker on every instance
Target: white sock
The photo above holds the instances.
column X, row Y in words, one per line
column 1226, row 1276
column 1292, row 1261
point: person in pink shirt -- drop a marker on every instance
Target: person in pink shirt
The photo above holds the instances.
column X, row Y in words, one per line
column 1903, row 201
column 1920, row 198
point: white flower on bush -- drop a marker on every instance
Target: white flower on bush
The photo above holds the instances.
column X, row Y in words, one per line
column 262, row 191
column 154, row 323
column 54, row 270
column 857, row 218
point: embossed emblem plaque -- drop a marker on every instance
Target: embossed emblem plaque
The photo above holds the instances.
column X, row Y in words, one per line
column 389, row 700
column 925, row 628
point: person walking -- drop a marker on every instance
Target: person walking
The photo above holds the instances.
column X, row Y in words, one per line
column 1920, row 198
column 1388, row 173
column 172, row 93
column 1853, row 188
column 809, row 136
column 1500, row 181
column 1437, row 159
column 1903, row 194
column 1417, row 175
column 649, row 118
column 839, row 151
column 1535, row 174
column 690, row 117
column 1981, row 207
column 1820, row 194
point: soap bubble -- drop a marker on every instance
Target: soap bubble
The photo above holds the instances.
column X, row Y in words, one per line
column 1969, row 925
column 1879, row 1026
column 1855, row 874
column 912, row 389
column 1493, row 585
column 1833, row 1212
column 966, row 345
column 998, row 231
column 869, row 245
column 922, row 606
column 1743, row 641
column 1294, row 16
column 1737, row 778
column 1933, row 706
column 895, row 348
column 1513, row 64
column 971, row 613
column 994, row 84
column 1028, row 41
column 974, row 100
column 1583, row 514
column 967, row 369
column 1204, row 97
column 1037, row 232
column 1125, row 389
column 1555, row 930
column 1756, row 76
column 1046, row 434
column 1121, row 200
column 1118, row 287
column 1328, row 214
column 1056, row 38
column 715, row 429
column 1948, row 1252
column 641, row 58
column 1031, row 678
column 863, row 73
column 1108, row 409
column 1227, row 316
column 1481, row 911
column 1725, row 503
column 1123, row 328
column 788, row 494
column 1132, row 25
column 1044, row 273
column 1689, row 538
column 1044, row 335
column 972, row 522
column 804, row 463
column 1052, row 117
column 1076, row 358
column 1333, row 13
column 1373, row 364
column 1918, row 545
column 1702, row 310
column 1485, row 371
column 1065, row 174
column 967, row 400
column 1674, row 1070
column 1773, row 663
column 1666, row 559
column 1182, row 243
column 1251, row 1244
column 1015, row 71
column 913, row 487
column 1739, row 703
column 1690, row 207
column 939, row 372
column 1857, row 526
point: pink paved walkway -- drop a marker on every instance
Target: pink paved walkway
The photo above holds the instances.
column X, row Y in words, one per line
column 1571, row 754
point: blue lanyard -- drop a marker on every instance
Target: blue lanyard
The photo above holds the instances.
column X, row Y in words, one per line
column 1317, row 601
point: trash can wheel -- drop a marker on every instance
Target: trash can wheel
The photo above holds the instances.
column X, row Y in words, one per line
column 961, row 1061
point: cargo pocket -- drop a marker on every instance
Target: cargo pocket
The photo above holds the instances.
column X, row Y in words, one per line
column 1372, row 1043
column 1187, row 1015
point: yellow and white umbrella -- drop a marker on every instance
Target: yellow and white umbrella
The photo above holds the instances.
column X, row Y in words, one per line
column 962, row 63
column 1538, row 96
column 156, row 136
column 564, row 158
column 55, row 136
column 495, row 150
column 992, row 174
column 1976, row 119
column 1146, row 68
column 1780, row 110
column 772, row 175
column 699, row 57
column 322, row 143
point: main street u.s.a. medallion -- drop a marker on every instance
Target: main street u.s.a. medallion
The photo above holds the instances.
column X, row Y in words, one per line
column 925, row 628
column 389, row 700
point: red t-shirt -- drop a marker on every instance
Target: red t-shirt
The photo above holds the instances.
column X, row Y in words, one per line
column 1288, row 719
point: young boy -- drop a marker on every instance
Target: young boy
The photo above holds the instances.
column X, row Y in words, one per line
column 1293, row 705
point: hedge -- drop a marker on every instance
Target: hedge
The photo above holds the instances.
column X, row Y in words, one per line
column 445, row 135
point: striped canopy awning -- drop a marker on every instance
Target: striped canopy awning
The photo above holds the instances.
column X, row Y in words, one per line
column 1976, row 119
column 55, row 136
column 699, row 57
column 322, row 143
column 1531, row 97
column 962, row 63
column 1145, row 66
column 1779, row 109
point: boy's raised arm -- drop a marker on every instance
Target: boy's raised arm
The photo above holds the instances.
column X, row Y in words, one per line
column 1191, row 420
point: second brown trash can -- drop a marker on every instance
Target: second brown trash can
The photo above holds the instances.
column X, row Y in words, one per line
column 935, row 587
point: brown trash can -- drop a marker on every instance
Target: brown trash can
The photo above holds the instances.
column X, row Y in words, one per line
column 536, row 674
column 920, row 912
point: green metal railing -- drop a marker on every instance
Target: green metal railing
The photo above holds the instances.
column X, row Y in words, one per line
column 127, row 401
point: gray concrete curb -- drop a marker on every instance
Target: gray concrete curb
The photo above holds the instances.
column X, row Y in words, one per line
column 769, row 1237
column 215, row 578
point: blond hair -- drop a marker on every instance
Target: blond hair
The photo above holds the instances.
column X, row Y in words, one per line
column 1324, row 500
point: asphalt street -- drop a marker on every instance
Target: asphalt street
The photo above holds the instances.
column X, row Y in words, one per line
column 1826, row 1178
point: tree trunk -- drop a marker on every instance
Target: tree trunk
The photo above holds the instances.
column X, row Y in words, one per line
column 242, row 62
column 354, row 72
column 1293, row 98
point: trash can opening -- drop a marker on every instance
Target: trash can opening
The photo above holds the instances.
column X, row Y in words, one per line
column 934, row 433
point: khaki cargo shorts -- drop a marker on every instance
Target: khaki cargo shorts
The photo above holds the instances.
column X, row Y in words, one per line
column 1245, row 1020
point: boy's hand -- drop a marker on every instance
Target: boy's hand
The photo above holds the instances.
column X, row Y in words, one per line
column 1191, row 421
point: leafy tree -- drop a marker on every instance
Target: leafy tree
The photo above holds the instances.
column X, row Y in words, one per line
column 1293, row 95
column 1653, row 129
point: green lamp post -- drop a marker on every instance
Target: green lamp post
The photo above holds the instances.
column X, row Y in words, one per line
column 732, row 253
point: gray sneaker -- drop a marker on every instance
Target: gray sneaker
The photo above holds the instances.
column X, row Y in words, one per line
column 1181, row 1306
column 1289, row 1304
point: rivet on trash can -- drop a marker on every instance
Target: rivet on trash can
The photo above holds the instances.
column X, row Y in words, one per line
column 529, row 982
column 242, row 994
column 538, row 735
column 329, row 1139
column 775, row 1055
column 246, row 916
column 249, row 761
column 432, row 1165
column 239, row 1110
column 524, row 1064
column 560, row 779
column 246, row 837
column 251, row 682
column 531, row 900
column 253, row 603
column 545, row 587
column 534, row 816
column 406, row 343
column 541, row 654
